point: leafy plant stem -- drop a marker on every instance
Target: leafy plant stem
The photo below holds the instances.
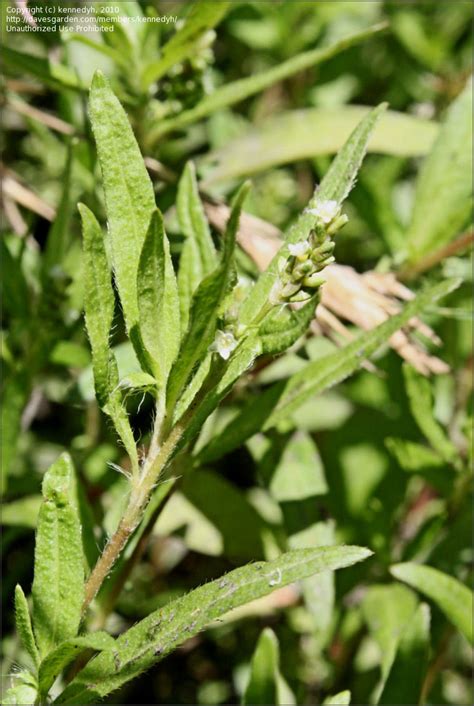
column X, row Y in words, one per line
column 140, row 494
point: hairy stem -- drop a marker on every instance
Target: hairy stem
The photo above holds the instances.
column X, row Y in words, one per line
column 141, row 491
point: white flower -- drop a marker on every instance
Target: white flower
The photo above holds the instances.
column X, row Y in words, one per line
column 224, row 343
column 325, row 210
column 299, row 249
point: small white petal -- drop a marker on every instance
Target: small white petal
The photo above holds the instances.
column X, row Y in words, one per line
column 298, row 249
column 325, row 210
column 224, row 343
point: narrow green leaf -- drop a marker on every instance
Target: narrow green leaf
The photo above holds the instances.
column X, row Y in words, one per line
column 237, row 91
column 262, row 685
column 99, row 304
column 405, row 681
column 65, row 653
column 322, row 374
column 158, row 301
column 54, row 75
column 420, row 397
column 99, row 313
column 128, row 190
column 341, row 699
column 443, row 197
column 23, row 625
column 204, row 15
column 58, row 585
column 450, row 595
column 205, row 307
column 302, row 134
column 336, row 185
column 198, row 257
column 162, row 631
column 280, row 400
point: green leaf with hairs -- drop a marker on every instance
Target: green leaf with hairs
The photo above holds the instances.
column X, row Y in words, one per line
column 237, row 91
column 23, row 625
column 58, row 584
column 452, row 597
column 335, row 186
column 99, row 313
column 443, row 197
column 129, row 194
column 205, row 308
column 57, row 660
column 157, row 301
column 198, row 256
column 277, row 402
column 162, row 631
column 203, row 16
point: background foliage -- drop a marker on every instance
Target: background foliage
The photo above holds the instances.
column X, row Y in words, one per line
column 270, row 91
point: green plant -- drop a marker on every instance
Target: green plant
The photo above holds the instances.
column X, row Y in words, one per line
column 242, row 417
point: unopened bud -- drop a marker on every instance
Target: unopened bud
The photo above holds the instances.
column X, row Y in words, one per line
column 314, row 281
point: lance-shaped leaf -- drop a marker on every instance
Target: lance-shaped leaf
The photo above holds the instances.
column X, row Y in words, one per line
column 158, row 301
column 421, row 405
column 450, row 595
column 99, row 304
column 58, row 584
column 443, row 198
column 294, row 135
column 237, row 91
column 281, row 399
column 23, row 625
column 161, row 632
column 128, row 190
column 99, row 312
column 58, row 659
column 335, row 187
column 205, row 308
column 266, row 684
column 204, row 15
column 198, row 256
column 408, row 671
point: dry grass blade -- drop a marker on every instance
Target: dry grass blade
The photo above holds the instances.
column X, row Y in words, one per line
column 364, row 300
column 18, row 193
column 41, row 116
